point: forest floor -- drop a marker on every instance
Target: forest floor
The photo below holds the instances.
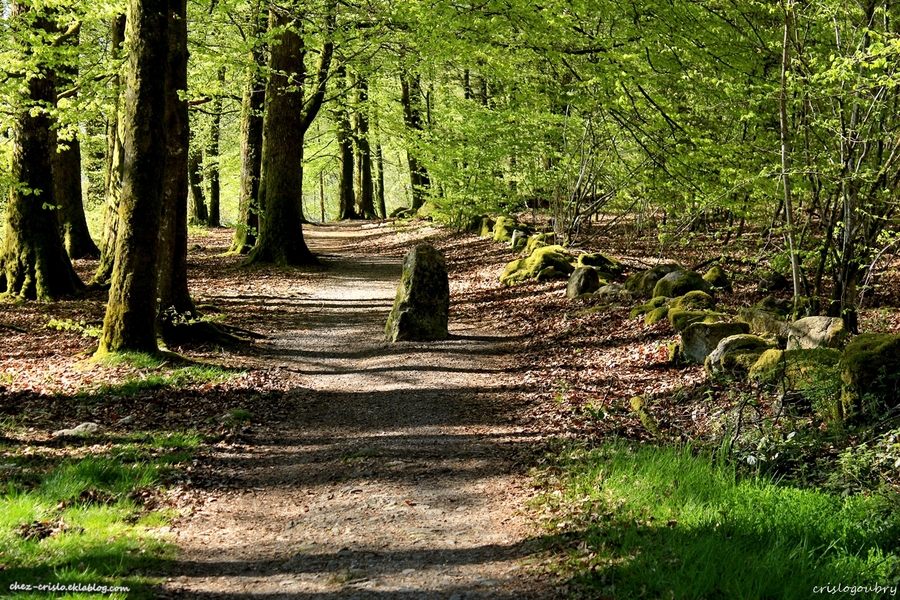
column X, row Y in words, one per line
column 336, row 465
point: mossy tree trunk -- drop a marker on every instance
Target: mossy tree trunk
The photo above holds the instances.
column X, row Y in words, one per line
column 346, row 194
column 33, row 263
column 67, row 183
column 410, row 99
column 287, row 118
column 175, row 299
column 115, row 163
column 198, row 213
column 130, row 322
column 378, row 165
column 251, row 148
column 362, row 153
column 212, row 157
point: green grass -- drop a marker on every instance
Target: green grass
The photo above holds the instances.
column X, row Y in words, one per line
column 639, row 521
column 72, row 520
column 155, row 372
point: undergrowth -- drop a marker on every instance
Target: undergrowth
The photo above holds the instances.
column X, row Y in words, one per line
column 639, row 521
column 86, row 515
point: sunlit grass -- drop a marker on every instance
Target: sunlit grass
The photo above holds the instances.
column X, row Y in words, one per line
column 90, row 520
column 664, row 523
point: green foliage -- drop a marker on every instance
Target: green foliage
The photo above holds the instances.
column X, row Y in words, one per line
column 86, row 330
column 646, row 520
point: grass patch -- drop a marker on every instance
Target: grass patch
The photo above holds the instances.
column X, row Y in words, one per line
column 641, row 521
column 70, row 520
column 146, row 372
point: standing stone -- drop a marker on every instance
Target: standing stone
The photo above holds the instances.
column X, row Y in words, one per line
column 423, row 298
column 584, row 280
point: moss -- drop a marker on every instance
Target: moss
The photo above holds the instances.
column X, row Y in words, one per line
column 638, row 405
column 654, row 303
column 656, row 315
column 539, row 240
column 740, row 362
column 681, row 319
column 486, row 227
column 601, row 262
column 641, row 284
column 793, row 366
column 870, row 373
column 680, row 283
column 697, row 300
column 674, row 349
column 717, row 278
column 547, row 262
column 503, row 229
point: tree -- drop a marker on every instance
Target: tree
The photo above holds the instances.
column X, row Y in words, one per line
column 33, row 262
column 287, row 118
column 362, row 152
column 131, row 312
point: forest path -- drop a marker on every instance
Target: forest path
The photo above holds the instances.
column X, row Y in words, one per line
column 394, row 472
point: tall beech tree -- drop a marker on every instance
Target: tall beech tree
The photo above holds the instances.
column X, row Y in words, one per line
column 362, row 152
column 33, row 262
column 174, row 298
column 131, row 313
column 252, row 105
column 286, row 121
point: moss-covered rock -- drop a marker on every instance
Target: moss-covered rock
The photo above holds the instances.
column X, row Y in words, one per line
column 601, row 262
column 764, row 323
column 539, row 240
column 401, row 212
column 613, row 292
column 736, row 354
column 583, row 280
column 777, row 306
column 794, row 369
column 486, row 227
column 682, row 319
column 717, row 277
column 870, row 372
column 656, row 315
column 815, row 332
column 639, row 406
column 428, row 210
column 696, row 300
column 679, row 283
column 422, row 304
column 544, row 263
column 641, row 284
column 653, row 304
column 699, row 340
column 503, row 229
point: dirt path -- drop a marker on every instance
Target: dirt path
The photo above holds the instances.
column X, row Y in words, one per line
column 394, row 475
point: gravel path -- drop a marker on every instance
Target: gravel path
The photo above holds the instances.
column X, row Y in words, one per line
column 396, row 475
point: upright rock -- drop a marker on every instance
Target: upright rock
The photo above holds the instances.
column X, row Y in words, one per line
column 422, row 304
column 584, row 280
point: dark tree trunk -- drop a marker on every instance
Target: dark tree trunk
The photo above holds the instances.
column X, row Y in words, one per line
column 67, row 184
column 362, row 154
column 198, row 212
column 175, row 299
column 410, row 98
column 287, row 118
column 67, row 192
column 251, row 152
column 131, row 312
column 33, row 263
column 115, row 162
column 346, row 195
column 212, row 158
column 379, row 179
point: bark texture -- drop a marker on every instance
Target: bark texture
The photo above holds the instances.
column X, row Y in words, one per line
column 410, row 98
column 251, row 155
column 212, row 157
column 362, row 154
column 198, row 213
column 130, row 322
column 33, row 263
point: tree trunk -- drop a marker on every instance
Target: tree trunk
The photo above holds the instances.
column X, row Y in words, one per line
column 115, row 162
column 175, row 299
column 67, row 192
column 379, row 179
column 346, row 195
column 410, row 98
column 33, row 263
column 66, row 165
column 212, row 158
column 286, row 120
column 130, row 322
column 362, row 154
column 198, row 213
column 251, row 150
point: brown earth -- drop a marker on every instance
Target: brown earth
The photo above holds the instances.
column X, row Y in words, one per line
column 396, row 471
